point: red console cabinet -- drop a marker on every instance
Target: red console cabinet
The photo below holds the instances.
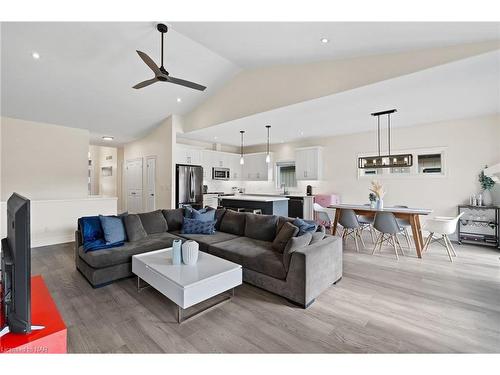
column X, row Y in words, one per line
column 52, row 338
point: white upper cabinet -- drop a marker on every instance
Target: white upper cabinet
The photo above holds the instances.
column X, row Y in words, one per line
column 216, row 159
column 235, row 166
column 308, row 163
column 186, row 155
column 256, row 168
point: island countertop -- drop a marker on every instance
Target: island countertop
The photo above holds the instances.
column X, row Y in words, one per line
column 255, row 198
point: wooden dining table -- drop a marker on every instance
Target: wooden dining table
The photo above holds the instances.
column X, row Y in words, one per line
column 410, row 214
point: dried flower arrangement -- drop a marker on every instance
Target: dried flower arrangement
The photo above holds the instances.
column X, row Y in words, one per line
column 377, row 189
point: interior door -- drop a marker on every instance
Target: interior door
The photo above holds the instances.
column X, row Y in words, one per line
column 134, row 185
column 150, row 183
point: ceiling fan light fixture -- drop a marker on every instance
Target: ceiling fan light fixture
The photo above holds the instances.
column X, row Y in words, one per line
column 161, row 74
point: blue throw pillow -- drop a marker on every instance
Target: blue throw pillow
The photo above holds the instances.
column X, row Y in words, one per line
column 205, row 214
column 113, row 228
column 91, row 229
column 305, row 226
column 194, row 226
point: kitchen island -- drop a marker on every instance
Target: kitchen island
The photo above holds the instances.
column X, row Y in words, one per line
column 269, row 205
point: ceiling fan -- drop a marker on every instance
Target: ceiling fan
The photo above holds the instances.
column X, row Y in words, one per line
column 161, row 75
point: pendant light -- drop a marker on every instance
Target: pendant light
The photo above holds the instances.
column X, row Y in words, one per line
column 385, row 161
column 268, row 156
column 242, row 159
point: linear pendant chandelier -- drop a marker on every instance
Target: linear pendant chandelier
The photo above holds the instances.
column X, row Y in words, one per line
column 385, row 161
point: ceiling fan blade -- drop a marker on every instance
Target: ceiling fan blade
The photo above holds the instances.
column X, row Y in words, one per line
column 145, row 83
column 149, row 62
column 183, row 82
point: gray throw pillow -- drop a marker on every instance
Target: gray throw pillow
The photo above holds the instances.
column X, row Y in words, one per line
column 282, row 220
column 133, row 227
column 153, row 222
column 233, row 222
column 219, row 214
column 318, row 235
column 294, row 244
column 174, row 218
column 286, row 232
column 261, row 227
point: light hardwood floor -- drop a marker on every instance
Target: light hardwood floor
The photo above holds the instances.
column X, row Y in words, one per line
column 380, row 305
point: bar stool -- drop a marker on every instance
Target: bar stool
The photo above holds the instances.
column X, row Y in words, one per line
column 237, row 209
column 349, row 222
column 386, row 224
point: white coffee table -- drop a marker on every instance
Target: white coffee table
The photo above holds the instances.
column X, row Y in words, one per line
column 187, row 285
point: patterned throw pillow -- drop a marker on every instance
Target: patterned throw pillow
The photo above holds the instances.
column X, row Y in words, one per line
column 193, row 226
column 205, row 214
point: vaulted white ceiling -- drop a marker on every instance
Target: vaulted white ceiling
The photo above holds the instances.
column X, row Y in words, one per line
column 86, row 71
column 466, row 88
column 252, row 44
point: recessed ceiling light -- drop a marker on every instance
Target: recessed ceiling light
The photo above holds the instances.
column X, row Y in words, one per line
column 215, row 137
column 108, row 138
column 324, row 40
column 179, row 100
column 35, row 55
column 301, row 132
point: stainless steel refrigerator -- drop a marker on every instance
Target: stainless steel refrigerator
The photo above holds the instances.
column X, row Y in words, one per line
column 189, row 186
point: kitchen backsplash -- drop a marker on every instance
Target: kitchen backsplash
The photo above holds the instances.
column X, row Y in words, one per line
column 263, row 187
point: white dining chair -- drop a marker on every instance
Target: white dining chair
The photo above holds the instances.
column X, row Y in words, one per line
column 442, row 226
column 323, row 215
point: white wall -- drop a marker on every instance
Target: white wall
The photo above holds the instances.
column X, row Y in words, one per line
column 160, row 143
column 470, row 143
column 43, row 161
column 55, row 221
column 48, row 164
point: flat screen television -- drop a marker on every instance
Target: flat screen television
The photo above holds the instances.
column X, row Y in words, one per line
column 16, row 268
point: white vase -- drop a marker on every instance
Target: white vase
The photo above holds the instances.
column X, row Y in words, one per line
column 190, row 250
column 487, row 199
column 380, row 204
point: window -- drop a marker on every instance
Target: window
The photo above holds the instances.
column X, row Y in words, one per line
column 286, row 174
column 429, row 163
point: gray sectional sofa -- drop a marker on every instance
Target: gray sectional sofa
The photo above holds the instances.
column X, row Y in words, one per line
column 300, row 275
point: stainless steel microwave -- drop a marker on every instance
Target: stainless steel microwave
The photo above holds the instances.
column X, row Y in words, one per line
column 220, row 173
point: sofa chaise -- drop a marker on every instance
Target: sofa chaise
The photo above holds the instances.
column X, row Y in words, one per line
column 244, row 238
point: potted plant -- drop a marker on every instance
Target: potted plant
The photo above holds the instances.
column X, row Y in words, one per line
column 487, row 184
column 373, row 199
column 379, row 192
